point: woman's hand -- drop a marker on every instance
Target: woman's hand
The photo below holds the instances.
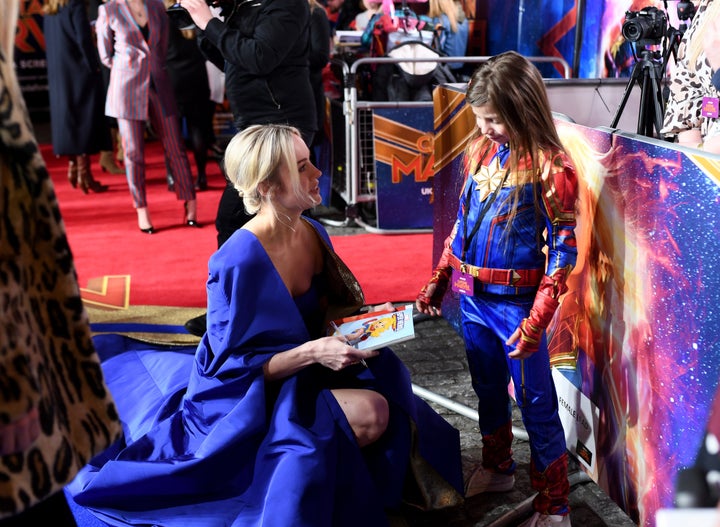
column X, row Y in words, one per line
column 332, row 352
column 336, row 353
column 19, row 435
column 199, row 11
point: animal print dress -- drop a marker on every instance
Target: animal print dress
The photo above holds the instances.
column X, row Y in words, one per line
column 688, row 86
column 47, row 358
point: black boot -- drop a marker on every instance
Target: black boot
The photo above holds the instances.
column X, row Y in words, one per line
column 201, row 183
column 197, row 326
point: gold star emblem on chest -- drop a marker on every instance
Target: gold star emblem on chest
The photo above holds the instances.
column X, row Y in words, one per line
column 488, row 178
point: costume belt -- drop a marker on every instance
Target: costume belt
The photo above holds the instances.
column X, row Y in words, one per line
column 509, row 277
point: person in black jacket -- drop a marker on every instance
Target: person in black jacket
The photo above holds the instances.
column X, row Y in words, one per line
column 263, row 48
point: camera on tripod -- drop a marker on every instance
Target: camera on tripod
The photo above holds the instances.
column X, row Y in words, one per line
column 645, row 27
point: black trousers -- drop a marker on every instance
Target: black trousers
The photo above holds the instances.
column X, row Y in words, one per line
column 231, row 214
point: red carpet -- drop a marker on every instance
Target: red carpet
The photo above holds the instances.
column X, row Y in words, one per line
column 119, row 266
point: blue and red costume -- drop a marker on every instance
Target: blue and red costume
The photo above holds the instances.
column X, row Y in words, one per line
column 512, row 254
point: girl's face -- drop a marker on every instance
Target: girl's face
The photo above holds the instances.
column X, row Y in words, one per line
column 309, row 177
column 487, row 121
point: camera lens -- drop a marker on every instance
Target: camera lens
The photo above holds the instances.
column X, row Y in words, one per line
column 632, row 31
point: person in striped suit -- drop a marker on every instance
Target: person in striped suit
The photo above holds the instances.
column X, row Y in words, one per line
column 132, row 41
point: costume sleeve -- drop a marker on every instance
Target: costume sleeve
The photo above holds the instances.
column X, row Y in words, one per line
column 559, row 194
column 440, row 276
column 442, row 272
column 559, row 197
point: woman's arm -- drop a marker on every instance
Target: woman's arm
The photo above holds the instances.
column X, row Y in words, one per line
column 105, row 37
column 332, row 352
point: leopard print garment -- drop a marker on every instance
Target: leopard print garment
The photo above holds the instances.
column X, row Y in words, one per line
column 688, row 87
column 47, row 359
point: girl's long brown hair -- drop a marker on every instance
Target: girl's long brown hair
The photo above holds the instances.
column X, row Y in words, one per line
column 514, row 88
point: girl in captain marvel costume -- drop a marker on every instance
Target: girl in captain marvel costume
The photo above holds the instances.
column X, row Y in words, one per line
column 508, row 256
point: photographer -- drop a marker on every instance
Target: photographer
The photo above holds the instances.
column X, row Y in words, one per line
column 691, row 114
column 263, row 48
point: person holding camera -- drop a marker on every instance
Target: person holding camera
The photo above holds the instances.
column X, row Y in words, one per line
column 263, row 49
column 691, row 115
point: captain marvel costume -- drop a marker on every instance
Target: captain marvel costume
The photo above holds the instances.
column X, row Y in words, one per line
column 506, row 281
column 209, row 442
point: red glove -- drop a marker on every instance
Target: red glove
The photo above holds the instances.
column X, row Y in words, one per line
column 543, row 309
column 441, row 279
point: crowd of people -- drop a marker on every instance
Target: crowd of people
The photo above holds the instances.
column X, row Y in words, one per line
column 270, row 419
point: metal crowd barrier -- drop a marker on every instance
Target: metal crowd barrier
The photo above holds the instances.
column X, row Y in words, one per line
column 359, row 157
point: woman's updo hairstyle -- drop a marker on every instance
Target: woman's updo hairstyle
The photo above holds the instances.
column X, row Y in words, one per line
column 253, row 158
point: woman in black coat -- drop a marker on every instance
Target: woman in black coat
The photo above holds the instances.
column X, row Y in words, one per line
column 188, row 75
column 77, row 95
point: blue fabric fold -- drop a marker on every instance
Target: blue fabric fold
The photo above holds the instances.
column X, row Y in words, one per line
column 209, row 443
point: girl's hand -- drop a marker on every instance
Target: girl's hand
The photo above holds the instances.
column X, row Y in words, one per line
column 516, row 353
column 387, row 306
column 19, row 435
column 422, row 304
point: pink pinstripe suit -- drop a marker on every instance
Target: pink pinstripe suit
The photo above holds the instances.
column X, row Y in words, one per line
column 139, row 90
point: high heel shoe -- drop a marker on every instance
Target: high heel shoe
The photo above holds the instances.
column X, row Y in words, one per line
column 85, row 177
column 190, row 211
column 144, row 219
column 107, row 163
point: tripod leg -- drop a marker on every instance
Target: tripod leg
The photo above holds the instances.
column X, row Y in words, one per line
column 626, row 95
column 642, row 127
column 658, row 100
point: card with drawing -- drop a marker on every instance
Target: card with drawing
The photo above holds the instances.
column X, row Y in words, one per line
column 378, row 329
